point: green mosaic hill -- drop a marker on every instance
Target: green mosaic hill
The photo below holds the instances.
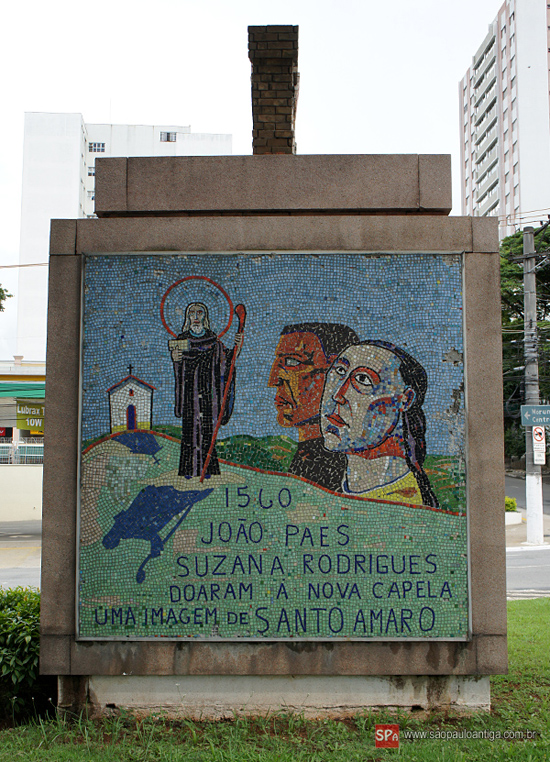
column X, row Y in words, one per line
column 275, row 453
column 272, row 453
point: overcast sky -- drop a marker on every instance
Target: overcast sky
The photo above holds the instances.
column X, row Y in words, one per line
column 374, row 77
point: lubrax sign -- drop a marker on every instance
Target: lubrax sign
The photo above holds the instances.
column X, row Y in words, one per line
column 30, row 415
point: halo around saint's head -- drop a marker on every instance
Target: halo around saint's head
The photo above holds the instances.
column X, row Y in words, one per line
column 196, row 288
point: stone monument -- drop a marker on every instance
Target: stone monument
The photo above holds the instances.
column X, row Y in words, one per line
column 274, row 465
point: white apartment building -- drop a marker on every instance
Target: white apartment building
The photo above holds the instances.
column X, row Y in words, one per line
column 59, row 156
column 505, row 119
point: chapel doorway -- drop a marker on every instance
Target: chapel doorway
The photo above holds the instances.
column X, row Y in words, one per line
column 131, row 417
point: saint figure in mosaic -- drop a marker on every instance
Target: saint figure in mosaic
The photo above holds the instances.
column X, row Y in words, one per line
column 303, row 356
column 201, row 370
column 372, row 411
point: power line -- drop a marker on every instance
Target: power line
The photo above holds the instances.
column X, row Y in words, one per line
column 529, row 212
column 33, row 264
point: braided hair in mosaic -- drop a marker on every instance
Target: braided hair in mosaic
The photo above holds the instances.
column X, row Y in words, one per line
column 413, row 419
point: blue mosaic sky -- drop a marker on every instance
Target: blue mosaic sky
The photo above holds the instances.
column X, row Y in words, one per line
column 412, row 300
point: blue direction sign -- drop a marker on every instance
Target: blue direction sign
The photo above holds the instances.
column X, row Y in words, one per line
column 535, row 415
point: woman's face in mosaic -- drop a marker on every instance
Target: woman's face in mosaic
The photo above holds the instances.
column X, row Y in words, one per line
column 363, row 397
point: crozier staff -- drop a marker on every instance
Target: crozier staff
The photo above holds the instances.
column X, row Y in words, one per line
column 202, row 379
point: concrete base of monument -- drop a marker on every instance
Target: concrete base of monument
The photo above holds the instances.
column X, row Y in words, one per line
column 217, row 697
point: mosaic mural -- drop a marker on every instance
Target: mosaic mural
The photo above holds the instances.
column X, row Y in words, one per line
column 273, row 447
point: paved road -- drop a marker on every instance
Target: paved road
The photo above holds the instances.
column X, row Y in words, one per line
column 20, row 530
column 20, row 546
column 20, row 577
column 516, row 488
column 527, row 573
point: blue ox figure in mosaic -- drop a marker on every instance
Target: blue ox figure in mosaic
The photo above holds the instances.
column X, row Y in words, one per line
column 371, row 410
column 205, row 388
column 303, row 356
column 152, row 509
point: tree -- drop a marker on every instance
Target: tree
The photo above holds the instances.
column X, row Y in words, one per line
column 3, row 296
column 511, row 283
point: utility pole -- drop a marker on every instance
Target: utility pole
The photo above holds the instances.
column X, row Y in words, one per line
column 533, row 477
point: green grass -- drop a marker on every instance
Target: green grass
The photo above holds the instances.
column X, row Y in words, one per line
column 521, row 701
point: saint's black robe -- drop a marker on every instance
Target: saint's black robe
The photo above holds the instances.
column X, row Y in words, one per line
column 201, row 379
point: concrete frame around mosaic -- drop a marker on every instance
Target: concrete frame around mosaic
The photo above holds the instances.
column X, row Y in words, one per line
column 481, row 655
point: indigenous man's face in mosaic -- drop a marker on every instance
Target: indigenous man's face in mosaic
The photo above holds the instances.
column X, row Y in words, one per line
column 363, row 397
column 196, row 315
column 298, row 373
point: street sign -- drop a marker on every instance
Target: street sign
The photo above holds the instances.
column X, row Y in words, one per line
column 539, row 445
column 539, row 438
column 535, row 415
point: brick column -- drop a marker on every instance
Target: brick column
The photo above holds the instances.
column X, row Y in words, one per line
column 273, row 52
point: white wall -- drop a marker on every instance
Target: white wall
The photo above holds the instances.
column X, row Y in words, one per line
column 52, row 161
column 21, row 490
column 144, row 140
column 56, row 185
